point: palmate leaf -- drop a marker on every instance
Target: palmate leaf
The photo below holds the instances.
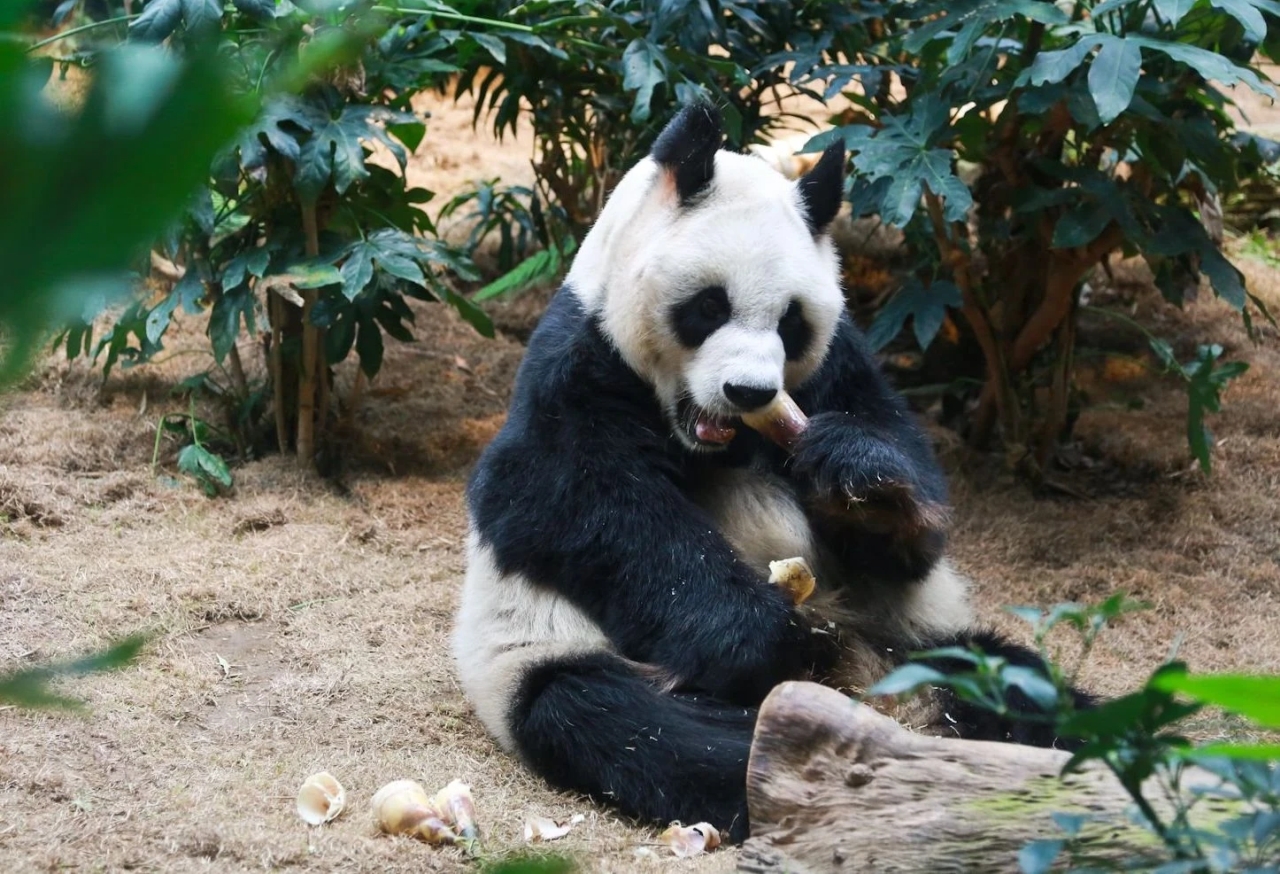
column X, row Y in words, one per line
column 334, row 150
column 403, row 255
column 160, row 18
column 643, row 70
column 927, row 307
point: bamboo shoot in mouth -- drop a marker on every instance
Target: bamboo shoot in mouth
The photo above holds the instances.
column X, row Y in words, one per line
column 781, row 422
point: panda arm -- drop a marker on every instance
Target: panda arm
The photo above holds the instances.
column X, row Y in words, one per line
column 873, row 484
column 593, row 516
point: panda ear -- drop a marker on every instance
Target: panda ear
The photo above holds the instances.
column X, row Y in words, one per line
column 822, row 188
column 686, row 148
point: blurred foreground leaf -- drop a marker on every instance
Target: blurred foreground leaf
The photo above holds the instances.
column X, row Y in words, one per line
column 30, row 687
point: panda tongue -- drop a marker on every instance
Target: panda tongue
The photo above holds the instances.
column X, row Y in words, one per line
column 711, row 429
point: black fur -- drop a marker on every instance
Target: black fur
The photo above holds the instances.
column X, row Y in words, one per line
column 697, row 318
column 591, row 725
column 581, row 492
column 795, row 332
column 822, row 188
column 1027, row 724
column 864, row 445
column 687, row 147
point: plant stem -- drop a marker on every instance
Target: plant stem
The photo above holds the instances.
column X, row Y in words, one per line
column 81, row 29
column 306, row 380
column 275, row 313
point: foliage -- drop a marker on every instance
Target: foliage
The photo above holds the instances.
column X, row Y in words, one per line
column 1138, row 738
column 29, row 688
column 306, row 236
column 619, row 70
column 1094, row 128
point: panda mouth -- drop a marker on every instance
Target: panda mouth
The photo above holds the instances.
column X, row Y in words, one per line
column 705, row 428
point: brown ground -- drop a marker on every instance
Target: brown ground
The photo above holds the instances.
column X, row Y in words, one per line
column 302, row 624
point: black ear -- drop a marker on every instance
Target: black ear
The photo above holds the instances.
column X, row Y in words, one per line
column 687, row 148
column 822, row 188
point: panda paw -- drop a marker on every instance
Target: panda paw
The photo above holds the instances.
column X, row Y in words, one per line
column 851, row 473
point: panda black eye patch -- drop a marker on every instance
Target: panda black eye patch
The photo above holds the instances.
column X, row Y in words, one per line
column 700, row 316
column 794, row 331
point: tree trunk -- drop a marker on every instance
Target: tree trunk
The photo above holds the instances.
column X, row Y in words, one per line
column 832, row 785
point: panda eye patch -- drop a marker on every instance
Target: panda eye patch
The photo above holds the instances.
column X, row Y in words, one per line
column 697, row 318
column 794, row 331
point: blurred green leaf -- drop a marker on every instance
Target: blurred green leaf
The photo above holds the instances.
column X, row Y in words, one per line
column 30, row 687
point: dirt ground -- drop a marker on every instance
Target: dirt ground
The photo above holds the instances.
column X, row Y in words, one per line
column 302, row 624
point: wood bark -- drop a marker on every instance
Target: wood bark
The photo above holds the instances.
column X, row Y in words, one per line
column 832, row 785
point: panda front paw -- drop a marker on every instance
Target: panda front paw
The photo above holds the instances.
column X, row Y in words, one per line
column 858, row 480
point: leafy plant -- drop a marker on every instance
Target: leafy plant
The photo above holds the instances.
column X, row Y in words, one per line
column 305, row 236
column 619, row 69
column 1138, row 738
column 1094, row 128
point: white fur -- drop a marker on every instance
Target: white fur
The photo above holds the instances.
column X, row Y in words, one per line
column 747, row 233
column 505, row 626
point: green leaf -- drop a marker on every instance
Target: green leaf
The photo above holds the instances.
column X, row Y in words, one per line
column 260, row 9
column 642, row 72
column 209, row 470
column 927, row 307
column 159, row 19
column 492, row 45
column 67, row 235
column 312, row 274
column 539, row 267
column 1034, row 10
column 30, row 687
column 1113, row 75
column 224, row 320
column 906, row 678
column 1081, row 225
column 1252, row 696
column 1038, row 857
column 202, row 16
column 369, row 347
column 1172, row 11
column 335, row 153
column 1034, row 684
column 1247, row 752
column 1227, row 281
column 1051, row 67
column 1255, row 27
column 1209, row 64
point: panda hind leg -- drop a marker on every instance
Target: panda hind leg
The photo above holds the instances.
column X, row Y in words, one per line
column 1027, row 722
column 593, row 724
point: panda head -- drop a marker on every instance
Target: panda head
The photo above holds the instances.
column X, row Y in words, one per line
column 713, row 276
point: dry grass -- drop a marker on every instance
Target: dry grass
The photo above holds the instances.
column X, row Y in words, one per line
column 302, row 624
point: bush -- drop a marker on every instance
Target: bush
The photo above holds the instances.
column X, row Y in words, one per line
column 300, row 236
column 1138, row 737
column 1094, row 128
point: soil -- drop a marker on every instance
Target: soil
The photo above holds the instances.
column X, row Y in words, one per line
column 301, row 624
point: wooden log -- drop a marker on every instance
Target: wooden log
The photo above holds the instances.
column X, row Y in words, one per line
column 833, row 785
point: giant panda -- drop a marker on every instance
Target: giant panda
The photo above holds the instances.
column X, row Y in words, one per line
column 617, row 627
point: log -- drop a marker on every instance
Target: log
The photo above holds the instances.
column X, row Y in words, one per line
column 833, row 785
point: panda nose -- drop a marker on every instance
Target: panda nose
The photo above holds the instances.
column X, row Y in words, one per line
column 748, row 397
